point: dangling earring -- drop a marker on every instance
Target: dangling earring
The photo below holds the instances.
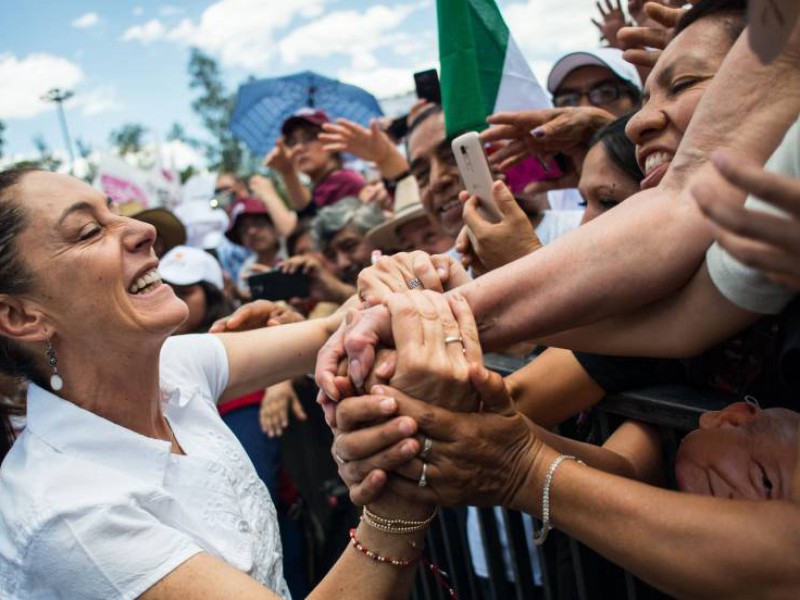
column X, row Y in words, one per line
column 56, row 383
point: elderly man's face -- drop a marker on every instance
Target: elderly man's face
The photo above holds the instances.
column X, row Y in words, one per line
column 740, row 452
column 434, row 166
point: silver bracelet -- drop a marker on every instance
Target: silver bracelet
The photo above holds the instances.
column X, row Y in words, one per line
column 540, row 536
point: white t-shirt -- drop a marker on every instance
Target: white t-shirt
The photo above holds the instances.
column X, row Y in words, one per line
column 556, row 223
column 744, row 286
column 89, row 509
column 568, row 199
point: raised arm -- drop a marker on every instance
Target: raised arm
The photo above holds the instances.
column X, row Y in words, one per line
column 652, row 244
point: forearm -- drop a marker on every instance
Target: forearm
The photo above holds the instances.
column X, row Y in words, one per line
column 641, row 251
column 652, row 331
column 299, row 195
column 262, row 357
column 356, row 576
column 649, row 246
column 392, row 165
column 686, row 545
column 285, row 220
column 552, row 388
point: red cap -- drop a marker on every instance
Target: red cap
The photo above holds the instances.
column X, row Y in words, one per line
column 241, row 208
column 305, row 115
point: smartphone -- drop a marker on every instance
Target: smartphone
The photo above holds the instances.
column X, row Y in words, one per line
column 277, row 285
column 427, row 84
column 475, row 173
column 398, row 128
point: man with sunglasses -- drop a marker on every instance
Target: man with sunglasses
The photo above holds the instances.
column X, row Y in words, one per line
column 599, row 78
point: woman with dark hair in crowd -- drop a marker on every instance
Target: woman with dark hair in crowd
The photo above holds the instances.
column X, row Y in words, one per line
column 299, row 150
column 125, row 481
column 609, row 173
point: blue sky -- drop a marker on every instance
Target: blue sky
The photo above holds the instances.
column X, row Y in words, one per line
column 126, row 61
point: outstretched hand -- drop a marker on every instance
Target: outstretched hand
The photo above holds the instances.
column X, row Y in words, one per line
column 542, row 132
column 762, row 240
column 643, row 44
column 612, row 19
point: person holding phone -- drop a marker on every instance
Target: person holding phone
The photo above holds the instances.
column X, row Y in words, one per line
column 252, row 227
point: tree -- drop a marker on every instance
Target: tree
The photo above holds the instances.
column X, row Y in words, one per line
column 2, row 141
column 47, row 159
column 128, row 138
column 214, row 106
column 177, row 133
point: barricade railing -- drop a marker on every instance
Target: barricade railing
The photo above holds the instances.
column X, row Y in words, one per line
column 569, row 569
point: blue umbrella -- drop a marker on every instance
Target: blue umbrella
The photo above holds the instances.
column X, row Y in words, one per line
column 262, row 106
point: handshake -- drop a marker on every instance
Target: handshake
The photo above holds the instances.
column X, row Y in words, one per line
column 417, row 420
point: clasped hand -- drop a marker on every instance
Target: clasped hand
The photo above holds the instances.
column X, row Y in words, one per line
column 433, row 386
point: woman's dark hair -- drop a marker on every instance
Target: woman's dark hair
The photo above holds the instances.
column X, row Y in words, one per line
column 303, row 228
column 734, row 9
column 217, row 306
column 15, row 279
column 619, row 147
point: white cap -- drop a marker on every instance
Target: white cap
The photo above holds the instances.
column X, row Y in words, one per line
column 200, row 219
column 610, row 58
column 184, row 265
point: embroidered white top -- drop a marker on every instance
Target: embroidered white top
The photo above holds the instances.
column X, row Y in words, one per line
column 89, row 509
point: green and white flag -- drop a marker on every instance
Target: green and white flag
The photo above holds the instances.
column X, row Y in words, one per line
column 482, row 68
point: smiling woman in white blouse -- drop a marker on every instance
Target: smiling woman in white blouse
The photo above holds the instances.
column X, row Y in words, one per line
column 126, row 483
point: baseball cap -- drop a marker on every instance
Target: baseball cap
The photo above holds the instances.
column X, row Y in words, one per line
column 244, row 207
column 307, row 116
column 185, row 265
column 610, row 58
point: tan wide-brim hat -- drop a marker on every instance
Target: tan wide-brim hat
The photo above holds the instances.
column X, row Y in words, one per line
column 169, row 227
column 407, row 207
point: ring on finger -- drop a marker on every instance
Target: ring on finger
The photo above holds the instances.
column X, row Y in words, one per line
column 423, row 479
column 414, row 283
column 427, row 445
column 452, row 339
column 338, row 458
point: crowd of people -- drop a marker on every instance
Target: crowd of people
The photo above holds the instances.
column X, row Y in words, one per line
column 155, row 364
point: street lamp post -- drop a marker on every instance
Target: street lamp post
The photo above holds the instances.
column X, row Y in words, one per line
column 59, row 96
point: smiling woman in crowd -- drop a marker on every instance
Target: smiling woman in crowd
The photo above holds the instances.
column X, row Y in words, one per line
column 125, row 482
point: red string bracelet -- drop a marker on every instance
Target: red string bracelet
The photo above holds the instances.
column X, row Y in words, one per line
column 399, row 562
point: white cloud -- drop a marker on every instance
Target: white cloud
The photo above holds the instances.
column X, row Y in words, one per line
column 382, row 82
column 149, row 32
column 85, row 21
column 169, row 10
column 30, row 77
column 100, row 100
column 547, row 30
column 178, row 155
column 347, row 32
column 241, row 32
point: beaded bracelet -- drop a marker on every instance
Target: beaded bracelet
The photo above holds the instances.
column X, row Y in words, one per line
column 395, row 562
column 441, row 576
column 396, row 526
column 540, row 536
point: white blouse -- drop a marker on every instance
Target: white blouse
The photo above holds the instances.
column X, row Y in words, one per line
column 89, row 509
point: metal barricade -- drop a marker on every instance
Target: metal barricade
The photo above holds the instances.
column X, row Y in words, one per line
column 569, row 569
